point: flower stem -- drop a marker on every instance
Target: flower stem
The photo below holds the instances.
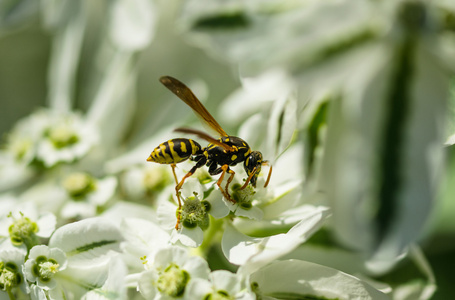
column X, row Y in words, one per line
column 10, row 294
column 212, row 235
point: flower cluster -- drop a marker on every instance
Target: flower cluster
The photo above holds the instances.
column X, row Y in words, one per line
column 348, row 114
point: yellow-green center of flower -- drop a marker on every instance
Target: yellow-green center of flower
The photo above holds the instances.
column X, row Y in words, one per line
column 243, row 197
column 62, row 136
column 194, row 212
column 9, row 276
column 172, row 281
column 78, row 185
column 22, row 230
column 156, row 179
column 45, row 268
column 219, row 295
column 19, row 147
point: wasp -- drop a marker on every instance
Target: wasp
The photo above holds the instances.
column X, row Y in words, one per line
column 219, row 155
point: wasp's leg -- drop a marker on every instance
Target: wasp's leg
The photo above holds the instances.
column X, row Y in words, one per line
column 200, row 161
column 176, row 184
column 173, row 172
column 229, row 181
column 270, row 173
column 249, row 179
column 223, row 169
column 178, row 197
column 213, row 168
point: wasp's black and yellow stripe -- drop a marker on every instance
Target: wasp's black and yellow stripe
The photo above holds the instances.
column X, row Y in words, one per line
column 174, row 151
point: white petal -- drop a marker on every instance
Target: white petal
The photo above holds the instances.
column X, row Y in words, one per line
column 88, row 241
column 218, row 208
column 113, row 101
column 166, row 213
column 254, row 213
column 13, row 174
column 145, row 284
column 142, row 238
column 105, row 190
column 294, row 278
column 115, row 284
column 57, row 294
column 46, row 225
column 197, row 289
column 191, row 237
column 237, row 247
column 252, row 253
column 46, row 285
column 39, row 250
column 77, row 209
column 40, row 194
column 28, row 273
column 76, row 278
column 255, row 94
column 197, row 267
column 226, row 281
column 123, row 209
column 191, row 186
column 172, row 254
column 37, row 293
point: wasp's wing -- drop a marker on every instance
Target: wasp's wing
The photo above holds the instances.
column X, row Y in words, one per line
column 206, row 137
column 184, row 93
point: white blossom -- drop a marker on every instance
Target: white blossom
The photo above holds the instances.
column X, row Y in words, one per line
column 171, row 270
column 221, row 284
column 43, row 264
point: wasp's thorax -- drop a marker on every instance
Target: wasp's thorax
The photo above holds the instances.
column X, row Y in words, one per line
column 253, row 164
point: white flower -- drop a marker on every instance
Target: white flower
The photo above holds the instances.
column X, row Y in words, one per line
column 43, row 264
column 172, row 269
column 49, row 137
column 19, row 151
column 85, row 194
column 24, row 226
column 66, row 138
column 221, row 285
column 75, row 195
column 11, row 273
column 23, row 138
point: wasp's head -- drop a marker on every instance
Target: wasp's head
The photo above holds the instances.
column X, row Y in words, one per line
column 252, row 165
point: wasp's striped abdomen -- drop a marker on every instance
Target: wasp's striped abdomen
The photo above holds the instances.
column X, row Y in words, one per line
column 174, row 151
